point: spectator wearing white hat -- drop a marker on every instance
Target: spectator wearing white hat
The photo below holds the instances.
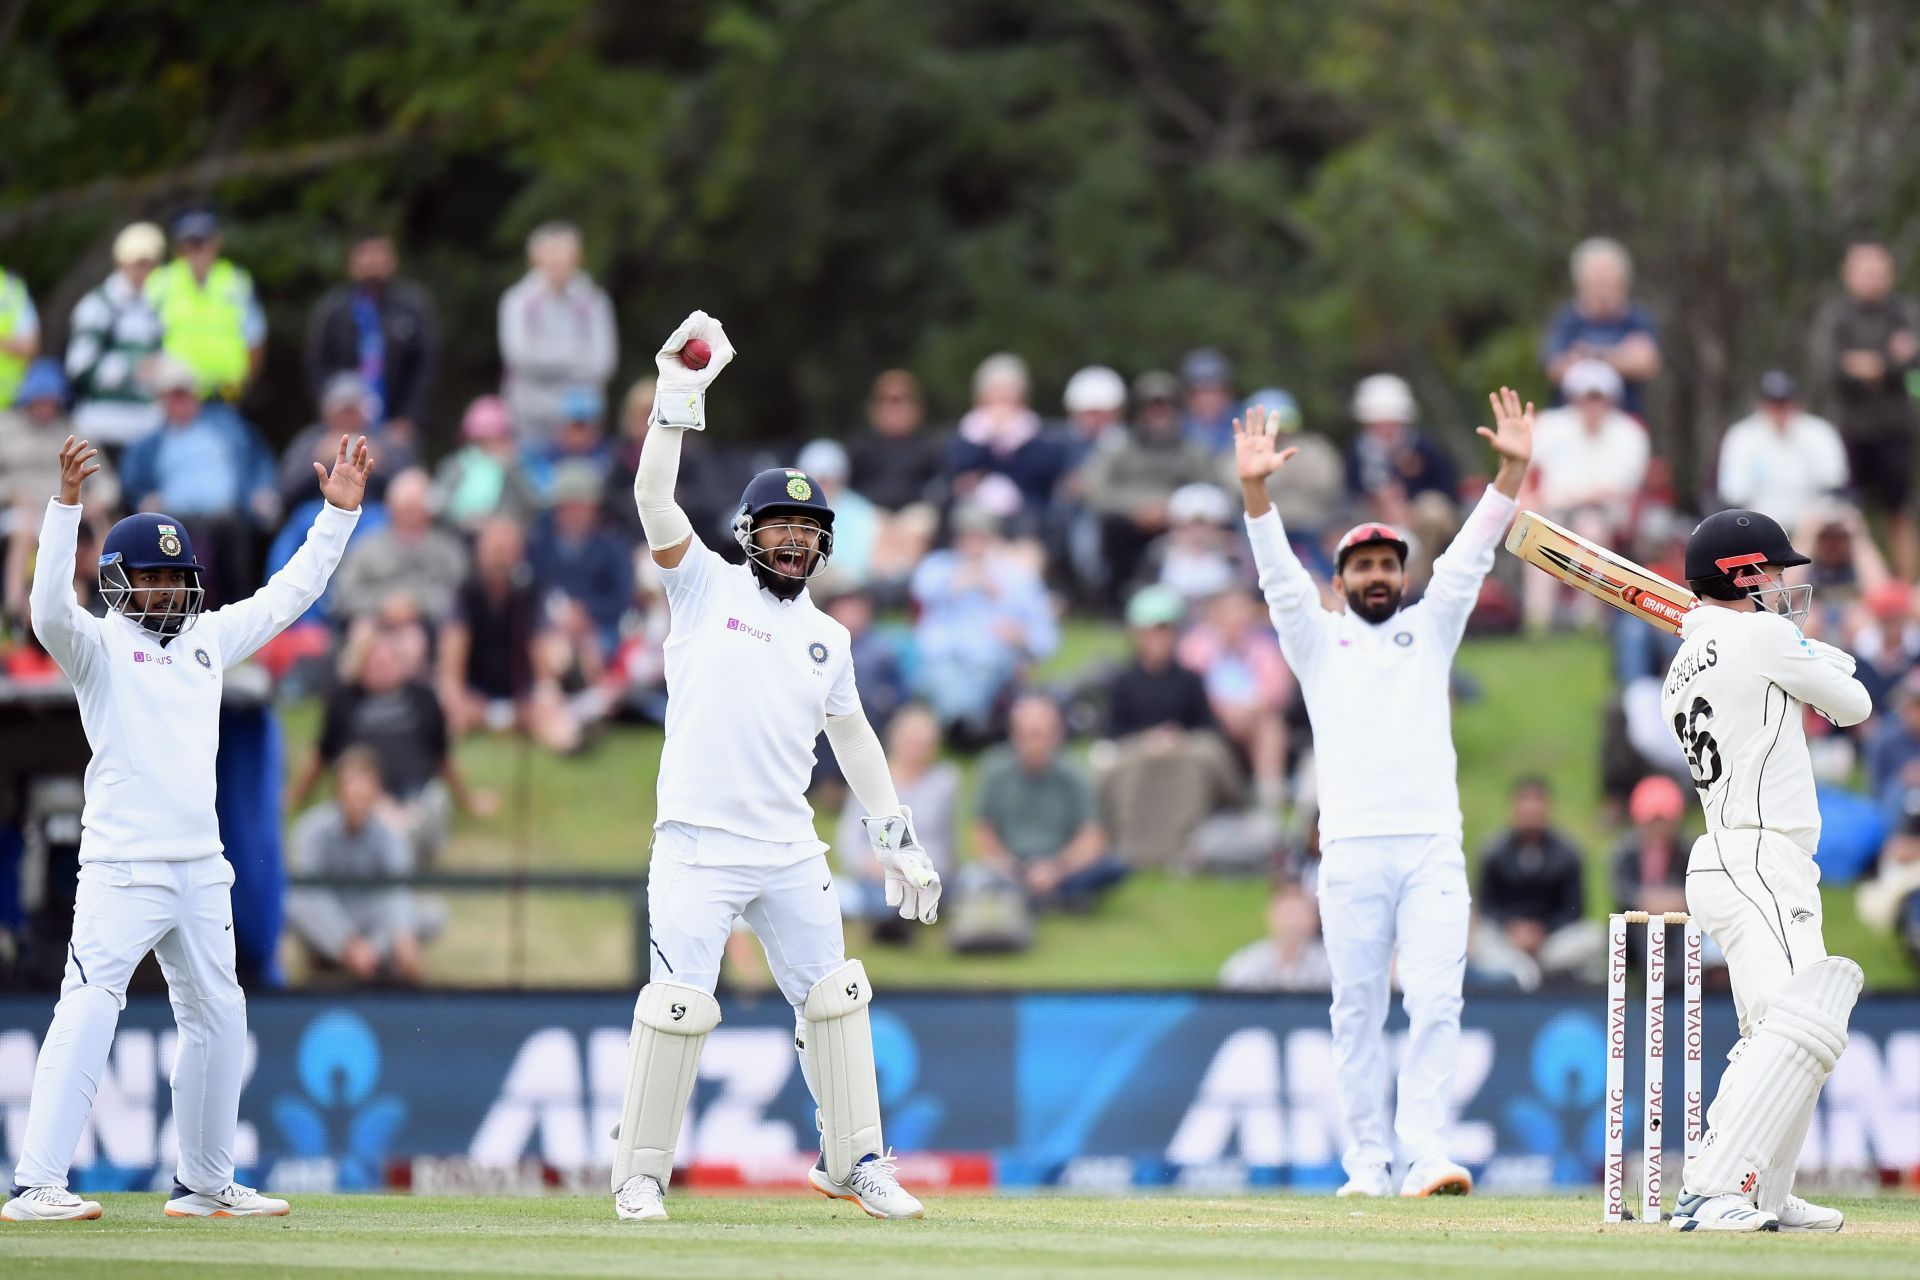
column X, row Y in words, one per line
column 1129, row 484
column 347, row 408
column 1201, row 555
column 113, row 337
column 1095, row 401
column 1781, row 460
column 1399, row 476
column 1589, row 463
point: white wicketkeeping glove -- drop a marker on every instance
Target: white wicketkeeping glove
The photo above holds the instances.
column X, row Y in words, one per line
column 680, row 398
column 913, row 886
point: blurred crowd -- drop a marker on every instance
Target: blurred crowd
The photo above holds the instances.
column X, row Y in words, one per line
column 502, row 586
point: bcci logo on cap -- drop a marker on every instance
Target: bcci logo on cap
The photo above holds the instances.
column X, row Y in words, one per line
column 798, row 489
column 169, row 540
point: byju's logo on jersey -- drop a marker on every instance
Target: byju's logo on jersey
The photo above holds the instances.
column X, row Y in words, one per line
column 153, row 659
column 734, row 624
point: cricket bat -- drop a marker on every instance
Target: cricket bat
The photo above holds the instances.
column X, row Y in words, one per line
column 1599, row 572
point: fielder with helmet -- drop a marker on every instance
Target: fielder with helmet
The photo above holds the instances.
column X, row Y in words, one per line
column 148, row 678
column 1733, row 697
column 1392, row 874
column 754, row 673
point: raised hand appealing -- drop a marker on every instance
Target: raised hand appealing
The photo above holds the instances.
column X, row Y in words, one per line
column 346, row 484
column 1511, row 437
column 1253, row 445
column 77, row 462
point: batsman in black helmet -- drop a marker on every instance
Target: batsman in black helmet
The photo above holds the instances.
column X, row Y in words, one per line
column 1733, row 698
column 754, row 674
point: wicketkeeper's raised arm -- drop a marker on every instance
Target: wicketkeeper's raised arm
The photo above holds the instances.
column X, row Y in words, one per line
column 1293, row 599
column 66, row 631
column 679, row 404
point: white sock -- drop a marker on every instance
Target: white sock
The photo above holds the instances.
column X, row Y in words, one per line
column 72, row 1059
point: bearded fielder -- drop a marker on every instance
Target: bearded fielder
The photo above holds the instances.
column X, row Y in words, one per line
column 1392, row 874
column 152, row 877
column 1733, row 697
column 754, row 673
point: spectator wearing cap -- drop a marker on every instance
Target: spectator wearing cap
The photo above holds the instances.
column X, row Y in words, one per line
column 1532, row 888
column 984, row 617
column 1292, row 957
column 19, row 334
column 1206, row 376
column 210, row 320
column 1167, row 769
column 1000, row 457
column 578, row 436
column 1395, row 472
column 1310, row 492
column 1866, row 343
column 1603, row 322
column 31, row 434
column 857, row 523
column 112, row 340
column 580, row 562
column 897, row 462
column 212, row 470
column 1129, row 484
column 483, row 477
column 1248, row 684
column 1589, row 463
column 1202, row 554
column 1781, row 460
column 1095, row 401
column 346, row 409
column 1886, row 639
column 412, row 556
column 556, row 333
column 1649, row 865
column 383, row 328
column 1036, row 824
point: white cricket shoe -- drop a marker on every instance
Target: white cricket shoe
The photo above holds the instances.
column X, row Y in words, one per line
column 1436, row 1176
column 874, row 1185
column 1727, row 1212
column 1801, row 1215
column 47, row 1204
column 230, row 1201
column 1373, row 1184
column 641, row 1199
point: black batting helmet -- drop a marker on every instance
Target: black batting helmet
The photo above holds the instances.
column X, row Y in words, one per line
column 1728, row 552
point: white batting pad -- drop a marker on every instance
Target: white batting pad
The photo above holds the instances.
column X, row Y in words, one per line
column 1768, row 1092
column 670, row 1024
column 839, row 1050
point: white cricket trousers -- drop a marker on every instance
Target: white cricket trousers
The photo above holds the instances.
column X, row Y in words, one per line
column 692, row 904
column 1757, row 894
column 1378, row 893
column 183, row 913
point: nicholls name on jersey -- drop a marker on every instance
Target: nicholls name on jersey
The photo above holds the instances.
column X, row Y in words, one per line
column 1733, row 697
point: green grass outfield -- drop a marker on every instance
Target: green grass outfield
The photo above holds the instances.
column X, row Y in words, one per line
column 974, row 1238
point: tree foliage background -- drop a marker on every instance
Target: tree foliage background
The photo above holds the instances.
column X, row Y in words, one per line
column 1321, row 187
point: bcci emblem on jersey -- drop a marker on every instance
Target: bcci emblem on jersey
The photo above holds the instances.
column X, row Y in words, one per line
column 169, row 540
column 200, row 656
column 818, row 652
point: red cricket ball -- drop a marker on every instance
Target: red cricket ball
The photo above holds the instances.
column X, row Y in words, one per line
column 696, row 353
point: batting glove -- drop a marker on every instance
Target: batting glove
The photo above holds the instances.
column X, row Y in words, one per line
column 913, row 886
column 680, row 398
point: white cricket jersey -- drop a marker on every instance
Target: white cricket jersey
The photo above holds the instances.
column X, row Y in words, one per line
column 1733, row 697
column 751, row 680
column 151, row 708
column 1378, row 696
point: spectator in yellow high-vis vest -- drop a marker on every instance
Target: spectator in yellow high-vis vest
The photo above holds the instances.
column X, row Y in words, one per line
column 210, row 320
column 19, row 334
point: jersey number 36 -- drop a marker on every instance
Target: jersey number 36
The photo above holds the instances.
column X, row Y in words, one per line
column 1703, row 753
